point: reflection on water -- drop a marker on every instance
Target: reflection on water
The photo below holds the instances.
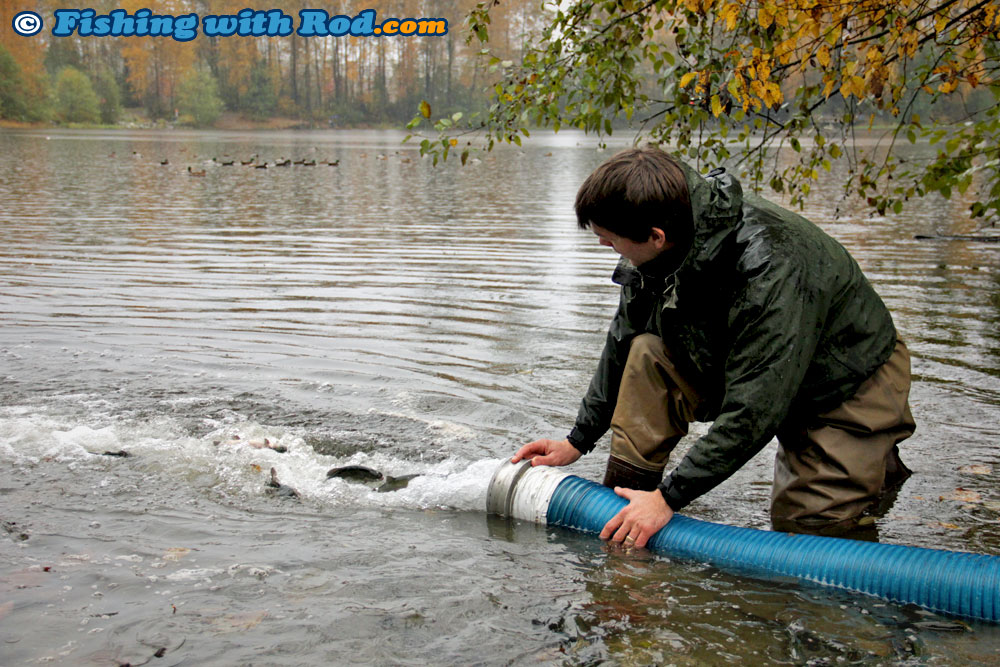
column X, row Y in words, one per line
column 415, row 319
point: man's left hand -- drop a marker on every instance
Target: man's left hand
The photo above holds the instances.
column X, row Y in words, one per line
column 646, row 513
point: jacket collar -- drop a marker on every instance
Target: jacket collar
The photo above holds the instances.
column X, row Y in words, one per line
column 716, row 207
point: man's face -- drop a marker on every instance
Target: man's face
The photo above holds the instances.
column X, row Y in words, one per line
column 633, row 251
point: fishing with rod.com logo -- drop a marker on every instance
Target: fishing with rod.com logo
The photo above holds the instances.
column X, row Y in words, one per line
column 245, row 23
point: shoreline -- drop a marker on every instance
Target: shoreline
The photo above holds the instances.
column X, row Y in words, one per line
column 227, row 121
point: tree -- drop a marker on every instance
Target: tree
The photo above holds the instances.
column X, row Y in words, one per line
column 32, row 89
column 198, row 97
column 12, row 102
column 154, row 65
column 76, row 101
column 730, row 81
column 109, row 96
column 261, row 99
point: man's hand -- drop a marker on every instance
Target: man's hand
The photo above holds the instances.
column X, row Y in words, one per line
column 548, row 453
column 646, row 513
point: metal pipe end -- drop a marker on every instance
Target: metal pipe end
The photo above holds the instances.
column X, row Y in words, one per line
column 500, row 494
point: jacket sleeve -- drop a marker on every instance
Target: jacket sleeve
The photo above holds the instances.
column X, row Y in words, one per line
column 775, row 324
column 598, row 404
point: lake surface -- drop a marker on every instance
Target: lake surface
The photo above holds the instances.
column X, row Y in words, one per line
column 414, row 319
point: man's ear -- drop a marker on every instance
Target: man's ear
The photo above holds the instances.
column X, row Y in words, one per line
column 658, row 237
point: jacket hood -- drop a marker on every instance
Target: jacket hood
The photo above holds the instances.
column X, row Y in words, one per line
column 716, row 207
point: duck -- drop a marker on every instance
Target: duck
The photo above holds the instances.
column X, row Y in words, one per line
column 196, row 173
column 283, row 163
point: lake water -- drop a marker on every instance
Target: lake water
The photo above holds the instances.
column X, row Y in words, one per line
column 414, row 319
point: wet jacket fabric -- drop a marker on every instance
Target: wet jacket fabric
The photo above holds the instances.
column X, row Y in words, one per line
column 773, row 322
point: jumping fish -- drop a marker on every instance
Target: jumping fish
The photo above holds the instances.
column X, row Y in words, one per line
column 277, row 488
column 369, row 477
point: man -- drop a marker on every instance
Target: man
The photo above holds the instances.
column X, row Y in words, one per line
column 735, row 311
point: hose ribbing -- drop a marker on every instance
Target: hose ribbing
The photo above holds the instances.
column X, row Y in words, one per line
column 950, row 582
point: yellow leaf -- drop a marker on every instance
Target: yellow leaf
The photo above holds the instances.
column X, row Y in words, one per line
column 765, row 18
column 858, row 86
column 823, row 56
column 776, row 93
column 425, row 109
column 783, row 51
column 730, row 13
column 453, row 142
column 949, row 526
column 688, row 78
column 948, row 86
column 716, row 106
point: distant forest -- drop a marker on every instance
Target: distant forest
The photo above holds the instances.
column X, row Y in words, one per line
column 318, row 81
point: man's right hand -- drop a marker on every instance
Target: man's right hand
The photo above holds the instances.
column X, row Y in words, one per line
column 548, row 453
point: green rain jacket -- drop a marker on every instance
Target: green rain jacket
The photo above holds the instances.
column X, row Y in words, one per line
column 775, row 319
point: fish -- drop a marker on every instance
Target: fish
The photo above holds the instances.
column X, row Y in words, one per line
column 374, row 479
column 276, row 488
column 258, row 443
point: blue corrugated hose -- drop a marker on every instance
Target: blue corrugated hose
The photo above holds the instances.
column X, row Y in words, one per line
column 949, row 582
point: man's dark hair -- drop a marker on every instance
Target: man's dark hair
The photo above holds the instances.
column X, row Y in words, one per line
column 634, row 191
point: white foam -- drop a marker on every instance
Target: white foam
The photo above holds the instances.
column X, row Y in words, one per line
column 163, row 444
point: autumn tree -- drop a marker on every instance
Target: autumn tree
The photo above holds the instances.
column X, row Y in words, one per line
column 727, row 82
column 156, row 64
column 23, row 69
